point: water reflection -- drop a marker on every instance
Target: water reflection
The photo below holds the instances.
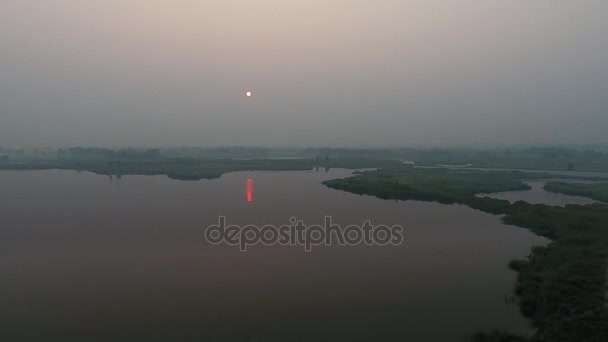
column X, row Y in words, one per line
column 249, row 189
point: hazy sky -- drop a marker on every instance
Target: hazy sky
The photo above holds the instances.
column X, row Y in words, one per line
column 323, row 72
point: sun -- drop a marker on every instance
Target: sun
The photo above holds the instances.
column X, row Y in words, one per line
column 248, row 94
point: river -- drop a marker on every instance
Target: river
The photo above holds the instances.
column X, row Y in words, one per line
column 85, row 257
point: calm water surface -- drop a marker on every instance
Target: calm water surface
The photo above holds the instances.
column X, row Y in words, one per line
column 87, row 258
column 538, row 195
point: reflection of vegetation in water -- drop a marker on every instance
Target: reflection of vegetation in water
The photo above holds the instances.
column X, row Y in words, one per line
column 598, row 192
column 560, row 286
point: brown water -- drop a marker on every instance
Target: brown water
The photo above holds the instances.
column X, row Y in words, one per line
column 88, row 258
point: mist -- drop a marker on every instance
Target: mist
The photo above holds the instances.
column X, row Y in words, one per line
column 322, row 72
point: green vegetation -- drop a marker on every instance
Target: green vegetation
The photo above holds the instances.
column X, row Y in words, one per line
column 436, row 184
column 188, row 169
column 431, row 184
column 598, row 192
column 562, row 286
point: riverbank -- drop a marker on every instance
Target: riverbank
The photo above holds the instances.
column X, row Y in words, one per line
column 561, row 286
column 598, row 192
column 192, row 169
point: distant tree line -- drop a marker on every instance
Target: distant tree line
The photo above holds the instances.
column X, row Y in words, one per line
column 124, row 153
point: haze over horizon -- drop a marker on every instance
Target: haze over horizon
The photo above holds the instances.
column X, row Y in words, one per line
column 322, row 73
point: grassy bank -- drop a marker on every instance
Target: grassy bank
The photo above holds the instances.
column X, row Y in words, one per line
column 561, row 286
column 598, row 192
